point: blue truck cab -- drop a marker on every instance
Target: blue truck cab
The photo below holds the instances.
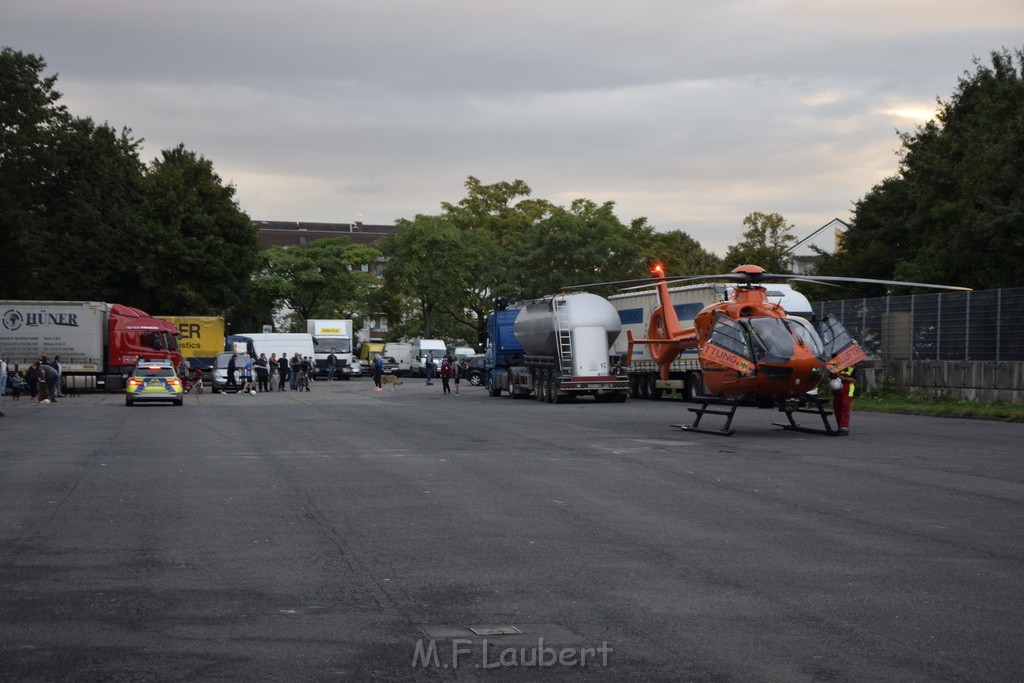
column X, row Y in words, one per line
column 503, row 349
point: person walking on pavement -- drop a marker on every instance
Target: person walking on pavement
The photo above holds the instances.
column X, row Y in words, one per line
column 446, row 375
column 843, row 386
column 332, row 366
column 378, row 371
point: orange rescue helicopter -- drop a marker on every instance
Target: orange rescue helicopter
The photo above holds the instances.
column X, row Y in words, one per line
column 750, row 351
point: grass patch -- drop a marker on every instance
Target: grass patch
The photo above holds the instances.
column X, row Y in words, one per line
column 889, row 397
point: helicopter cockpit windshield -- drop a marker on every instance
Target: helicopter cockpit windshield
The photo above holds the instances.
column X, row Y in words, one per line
column 775, row 337
column 807, row 334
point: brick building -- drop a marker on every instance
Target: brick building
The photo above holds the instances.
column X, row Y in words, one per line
column 299, row 233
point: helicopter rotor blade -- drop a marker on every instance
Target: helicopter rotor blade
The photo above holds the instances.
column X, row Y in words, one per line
column 825, row 279
column 756, row 278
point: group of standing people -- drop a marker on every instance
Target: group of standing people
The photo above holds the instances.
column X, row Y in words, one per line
column 452, row 369
column 272, row 374
column 41, row 381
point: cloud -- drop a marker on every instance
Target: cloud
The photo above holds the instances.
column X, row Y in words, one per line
column 691, row 114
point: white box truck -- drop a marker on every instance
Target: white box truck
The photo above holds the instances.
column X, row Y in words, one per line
column 281, row 343
column 333, row 336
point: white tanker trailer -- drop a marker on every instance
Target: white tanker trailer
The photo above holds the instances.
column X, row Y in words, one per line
column 560, row 348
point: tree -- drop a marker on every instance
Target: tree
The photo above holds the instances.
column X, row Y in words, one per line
column 680, row 254
column 583, row 244
column 766, row 243
column 82, row 217
column 321, row 280
column 954, row 211
column 500, row 216
column 431, row 273
column 31, row 123
column 89, row 243
column 201, row 248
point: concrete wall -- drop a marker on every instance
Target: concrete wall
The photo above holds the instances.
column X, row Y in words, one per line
column 974, row 380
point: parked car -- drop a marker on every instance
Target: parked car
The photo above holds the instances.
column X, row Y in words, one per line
column 475, row 371
column 390, row 367
column 220, row 371
column 154, row 380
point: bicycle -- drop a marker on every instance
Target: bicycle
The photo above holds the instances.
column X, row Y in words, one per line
column 196, row 383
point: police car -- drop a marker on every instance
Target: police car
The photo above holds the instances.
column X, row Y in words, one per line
column 154, row 380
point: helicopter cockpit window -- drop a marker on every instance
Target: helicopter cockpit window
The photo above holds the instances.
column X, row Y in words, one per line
column 834, row 336
column 731, row 335
column 774, row 336
column 806, row 333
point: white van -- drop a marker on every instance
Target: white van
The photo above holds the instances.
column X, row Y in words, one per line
column 403, row 353
column 461, row 352
column 288, row 343
column 421, row 347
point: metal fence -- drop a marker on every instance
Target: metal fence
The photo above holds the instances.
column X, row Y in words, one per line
column 962, row 326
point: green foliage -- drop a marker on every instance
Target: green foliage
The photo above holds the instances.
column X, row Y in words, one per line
column 444, row 271
column 891, row 397
column 321, row 280
column 584, row 244
column 765, row 243
column 954, row 212
column 207, row 247
column 32, row 122
column 82, row 218
column 87, row 243
column 680, row 254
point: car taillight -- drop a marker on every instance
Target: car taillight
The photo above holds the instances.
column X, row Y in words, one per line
column 134, row 382
column 174, row 382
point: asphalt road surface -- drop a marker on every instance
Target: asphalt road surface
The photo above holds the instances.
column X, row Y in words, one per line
column 348, row 534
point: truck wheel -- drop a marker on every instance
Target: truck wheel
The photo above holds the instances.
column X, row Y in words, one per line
column 552, row 384
column 642, row 386
column 694, row 386
column 541, row 384
column 492, row 387
column 634, row 386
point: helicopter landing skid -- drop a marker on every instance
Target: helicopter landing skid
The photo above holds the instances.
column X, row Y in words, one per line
column 819, row 410
column 704, row 410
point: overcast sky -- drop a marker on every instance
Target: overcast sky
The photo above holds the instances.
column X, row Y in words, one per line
column 690, row 113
